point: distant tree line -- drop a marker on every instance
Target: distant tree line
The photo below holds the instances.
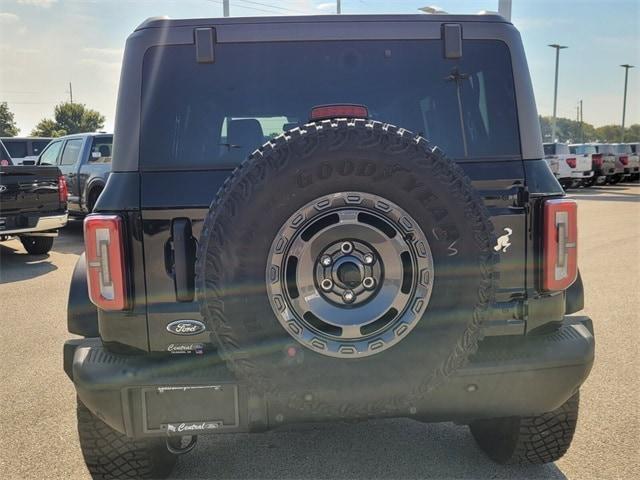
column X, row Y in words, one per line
column 71, row 118
column 68, row 118
column 573, row 131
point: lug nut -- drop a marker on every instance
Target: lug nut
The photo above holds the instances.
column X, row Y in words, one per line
column 368, row 259
column 348, row 296
column 326, row 284
column 326, row 260
column 346, row 247
column 368, row 283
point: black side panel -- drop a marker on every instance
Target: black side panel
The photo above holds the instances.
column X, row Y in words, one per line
column 167, row 197
column 127, row 330
column 82, row 315
column 575, row 296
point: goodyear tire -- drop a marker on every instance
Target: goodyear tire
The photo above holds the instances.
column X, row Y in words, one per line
column 529, row 440
column 346, row 265
column 109, row 454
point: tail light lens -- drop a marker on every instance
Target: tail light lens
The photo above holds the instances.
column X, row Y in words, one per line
column 572, row 162
column 323, row 112
column 560, row 244
column 104, row 246
column 596, row 160
column 624, row 160
column 63, row 190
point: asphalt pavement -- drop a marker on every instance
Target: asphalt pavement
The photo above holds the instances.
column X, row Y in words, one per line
column 38, row 436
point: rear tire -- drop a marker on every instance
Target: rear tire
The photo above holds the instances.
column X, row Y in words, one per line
column 109, row 454
column 528, row 440
column 93, row 198
column 36, row 245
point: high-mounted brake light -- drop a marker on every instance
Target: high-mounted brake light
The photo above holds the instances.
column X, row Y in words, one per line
column 104, row 246
column 560, row 244
column 572, row 162
column 624, row 160
column 63, row 190
column 597, row 160
column 323, row 112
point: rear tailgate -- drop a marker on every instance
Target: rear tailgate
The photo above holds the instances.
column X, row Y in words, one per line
column 583, row 162
column 29, row 190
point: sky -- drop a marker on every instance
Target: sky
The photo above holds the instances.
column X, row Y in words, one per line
column 45, row 44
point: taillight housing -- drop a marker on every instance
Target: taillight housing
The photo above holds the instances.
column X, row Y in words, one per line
column 624, row 160
column 559, row 244
column 596, row 160
column 322, row 112
column 572, row 162
column 104, row 246
column 63, row 190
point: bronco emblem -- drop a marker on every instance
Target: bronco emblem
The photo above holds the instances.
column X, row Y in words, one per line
column 503, row 241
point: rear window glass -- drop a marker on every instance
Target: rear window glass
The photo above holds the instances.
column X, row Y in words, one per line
column 101, row 150
column 214, row 115
column 16, row 148
column 39, row 145
column 582, row 149
column 556, row 149
column 606, row 148
column 623, row 148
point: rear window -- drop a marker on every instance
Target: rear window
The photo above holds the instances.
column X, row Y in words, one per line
column 17, row 148
column 556, row 149
column 582, row 149
column 622, row 148
column 101, row 150
column 39, row 145
column 214, row 115
column 606, row 148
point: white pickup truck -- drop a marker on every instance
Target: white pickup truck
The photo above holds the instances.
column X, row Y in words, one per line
column 571, row 170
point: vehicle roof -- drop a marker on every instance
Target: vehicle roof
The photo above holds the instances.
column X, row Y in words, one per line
column 85, row 134
column 26, row 138
column 166, row 22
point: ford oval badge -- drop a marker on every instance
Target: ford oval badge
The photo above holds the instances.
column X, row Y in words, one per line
column 186, row 327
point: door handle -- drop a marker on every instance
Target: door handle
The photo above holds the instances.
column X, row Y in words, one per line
column 184, row 259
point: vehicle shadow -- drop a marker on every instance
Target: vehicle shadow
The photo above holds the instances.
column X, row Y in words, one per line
column 70, row 239
column 380, row 449
column 17, row 265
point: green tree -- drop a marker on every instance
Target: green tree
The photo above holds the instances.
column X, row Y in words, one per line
column 632, row 134
column 609, row 133
column 8, row 127
column 69, row 118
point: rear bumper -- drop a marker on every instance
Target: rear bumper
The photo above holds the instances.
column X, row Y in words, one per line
column 155, row 396
column 582, row 174
column 38, row 225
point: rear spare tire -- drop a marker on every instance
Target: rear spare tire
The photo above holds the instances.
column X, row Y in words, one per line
column 346, row 259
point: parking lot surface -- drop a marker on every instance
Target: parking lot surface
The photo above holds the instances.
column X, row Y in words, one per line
column 37, row 407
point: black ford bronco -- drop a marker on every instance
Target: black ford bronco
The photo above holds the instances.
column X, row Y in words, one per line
column 326, row 218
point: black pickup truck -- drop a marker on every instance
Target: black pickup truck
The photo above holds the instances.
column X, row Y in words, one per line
column 33, row 204
column 85, row 161
column 326, row 218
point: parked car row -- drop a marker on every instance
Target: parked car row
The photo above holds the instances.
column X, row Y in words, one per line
column 587, row 164
column 38, row 194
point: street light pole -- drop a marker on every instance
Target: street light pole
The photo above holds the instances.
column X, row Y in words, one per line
column 624, row 101
column 225, row 8
column 338, row 7
column 555, row 90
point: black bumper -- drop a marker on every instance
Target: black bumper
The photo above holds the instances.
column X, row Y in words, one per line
column 147, row 396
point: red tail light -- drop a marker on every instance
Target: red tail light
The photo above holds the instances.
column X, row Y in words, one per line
column 596, row 160
column 63, row 191
column 624, row 160
column 103, row 241
column 560, row 244
column 323, row 112
column 4, row 163
column 572, row 162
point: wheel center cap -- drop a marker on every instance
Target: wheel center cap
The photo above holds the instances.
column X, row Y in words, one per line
column 349, row 273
